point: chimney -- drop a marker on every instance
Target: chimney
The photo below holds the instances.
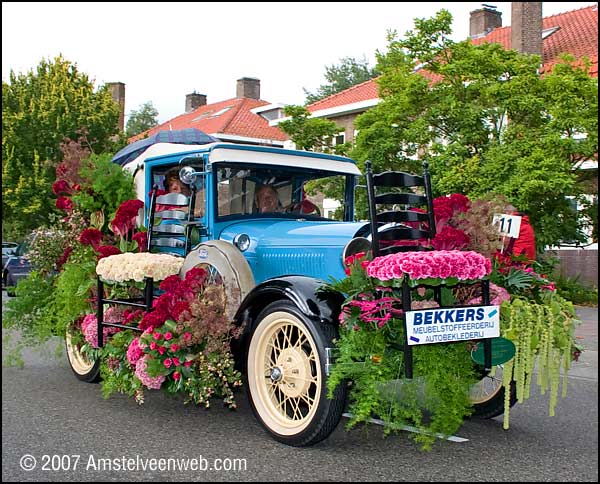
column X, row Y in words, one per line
column 484, row 20
column 526, row 29
column 248, row 87
column 194, row 100
column 117, row 90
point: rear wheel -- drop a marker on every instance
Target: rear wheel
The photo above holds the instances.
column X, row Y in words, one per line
column 86, row 369
column 286, row 376
column 488, row 394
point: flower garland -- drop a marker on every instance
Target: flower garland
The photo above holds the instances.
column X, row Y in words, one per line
column 137, row 266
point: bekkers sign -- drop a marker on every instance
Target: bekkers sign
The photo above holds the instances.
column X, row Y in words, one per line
column 455, row 324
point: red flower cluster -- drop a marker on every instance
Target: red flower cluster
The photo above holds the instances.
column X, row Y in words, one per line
column 450, row 238
column 63, row 258
column 64, row 203
column 350, row 260
column 91, row 237
column 142, row 240
column 124, row 220
column 61, row 187
column 107, row 250
column 176, row 299
column 446, row 207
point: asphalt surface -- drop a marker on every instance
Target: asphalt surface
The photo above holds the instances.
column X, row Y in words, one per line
column 49, row 415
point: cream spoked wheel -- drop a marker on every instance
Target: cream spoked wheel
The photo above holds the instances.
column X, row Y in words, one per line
column 286, row 379
column 288, row 361
column 85, row 368
column 487, row 395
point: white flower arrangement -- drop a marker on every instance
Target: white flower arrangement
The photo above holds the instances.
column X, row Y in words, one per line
column 135, row 266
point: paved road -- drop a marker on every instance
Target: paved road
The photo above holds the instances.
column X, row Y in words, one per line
column 47, row 412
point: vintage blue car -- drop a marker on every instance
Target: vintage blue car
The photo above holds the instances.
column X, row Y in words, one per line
column 252, row 220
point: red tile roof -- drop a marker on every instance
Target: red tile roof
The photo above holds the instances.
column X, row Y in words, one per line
column 232, row 117
column 578, row 35
column 360, row 92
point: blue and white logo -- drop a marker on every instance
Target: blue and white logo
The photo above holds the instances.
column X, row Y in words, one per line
column 452, row 324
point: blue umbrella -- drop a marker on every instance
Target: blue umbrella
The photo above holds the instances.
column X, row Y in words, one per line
column 188, row 136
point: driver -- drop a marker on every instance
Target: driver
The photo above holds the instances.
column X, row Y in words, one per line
column 267, row 199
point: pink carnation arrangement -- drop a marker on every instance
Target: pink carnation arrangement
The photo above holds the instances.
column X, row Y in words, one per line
column 439, row 264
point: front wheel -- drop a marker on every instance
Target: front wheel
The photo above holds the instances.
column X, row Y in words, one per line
column 85, row 368
column 286, row 376
column 487, row 395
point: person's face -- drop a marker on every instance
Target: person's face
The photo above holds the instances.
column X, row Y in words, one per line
column 266, row 200
column 175, row 186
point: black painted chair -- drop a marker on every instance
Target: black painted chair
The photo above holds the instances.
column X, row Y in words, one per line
column 399, row 216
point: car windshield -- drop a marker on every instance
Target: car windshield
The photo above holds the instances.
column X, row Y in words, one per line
column 22, row 249
column 258, row 190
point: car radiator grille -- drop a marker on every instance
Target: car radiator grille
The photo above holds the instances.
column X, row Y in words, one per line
column 277, row 263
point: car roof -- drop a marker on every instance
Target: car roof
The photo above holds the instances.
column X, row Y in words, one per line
column 230, row 152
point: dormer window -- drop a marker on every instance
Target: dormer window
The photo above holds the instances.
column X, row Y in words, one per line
column 548, row 32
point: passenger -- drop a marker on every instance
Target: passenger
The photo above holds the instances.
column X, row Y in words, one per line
column 174, row 185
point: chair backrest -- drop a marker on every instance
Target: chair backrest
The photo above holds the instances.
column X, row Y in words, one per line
column 400, row 217
column 168, row 222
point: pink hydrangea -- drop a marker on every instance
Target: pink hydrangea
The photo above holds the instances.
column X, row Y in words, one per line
column 89, row 325
column 151, row 382
column 497, row 295
column 134, row 352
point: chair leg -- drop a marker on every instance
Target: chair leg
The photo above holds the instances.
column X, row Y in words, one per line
column 408, row 356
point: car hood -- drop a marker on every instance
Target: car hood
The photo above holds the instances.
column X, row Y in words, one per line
column 293, row 233
column 294, row 247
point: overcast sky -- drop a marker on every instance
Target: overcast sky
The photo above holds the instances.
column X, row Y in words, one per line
column 163, row 51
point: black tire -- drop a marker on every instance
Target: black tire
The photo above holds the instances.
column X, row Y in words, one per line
column 84, row 369
column 489, row 402
column 10, row 283
column 291, row 401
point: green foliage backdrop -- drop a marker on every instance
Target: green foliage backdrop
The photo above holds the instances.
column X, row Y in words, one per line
column 39, row 110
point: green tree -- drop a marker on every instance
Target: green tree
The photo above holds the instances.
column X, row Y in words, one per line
column 486, row 121
column 310, row 133
column 315, row 134
column 349, row 72
column 142, row 120
column 39, row 110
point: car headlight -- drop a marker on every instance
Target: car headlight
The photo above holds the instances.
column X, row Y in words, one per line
column 356, row 245
column 242, row 242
